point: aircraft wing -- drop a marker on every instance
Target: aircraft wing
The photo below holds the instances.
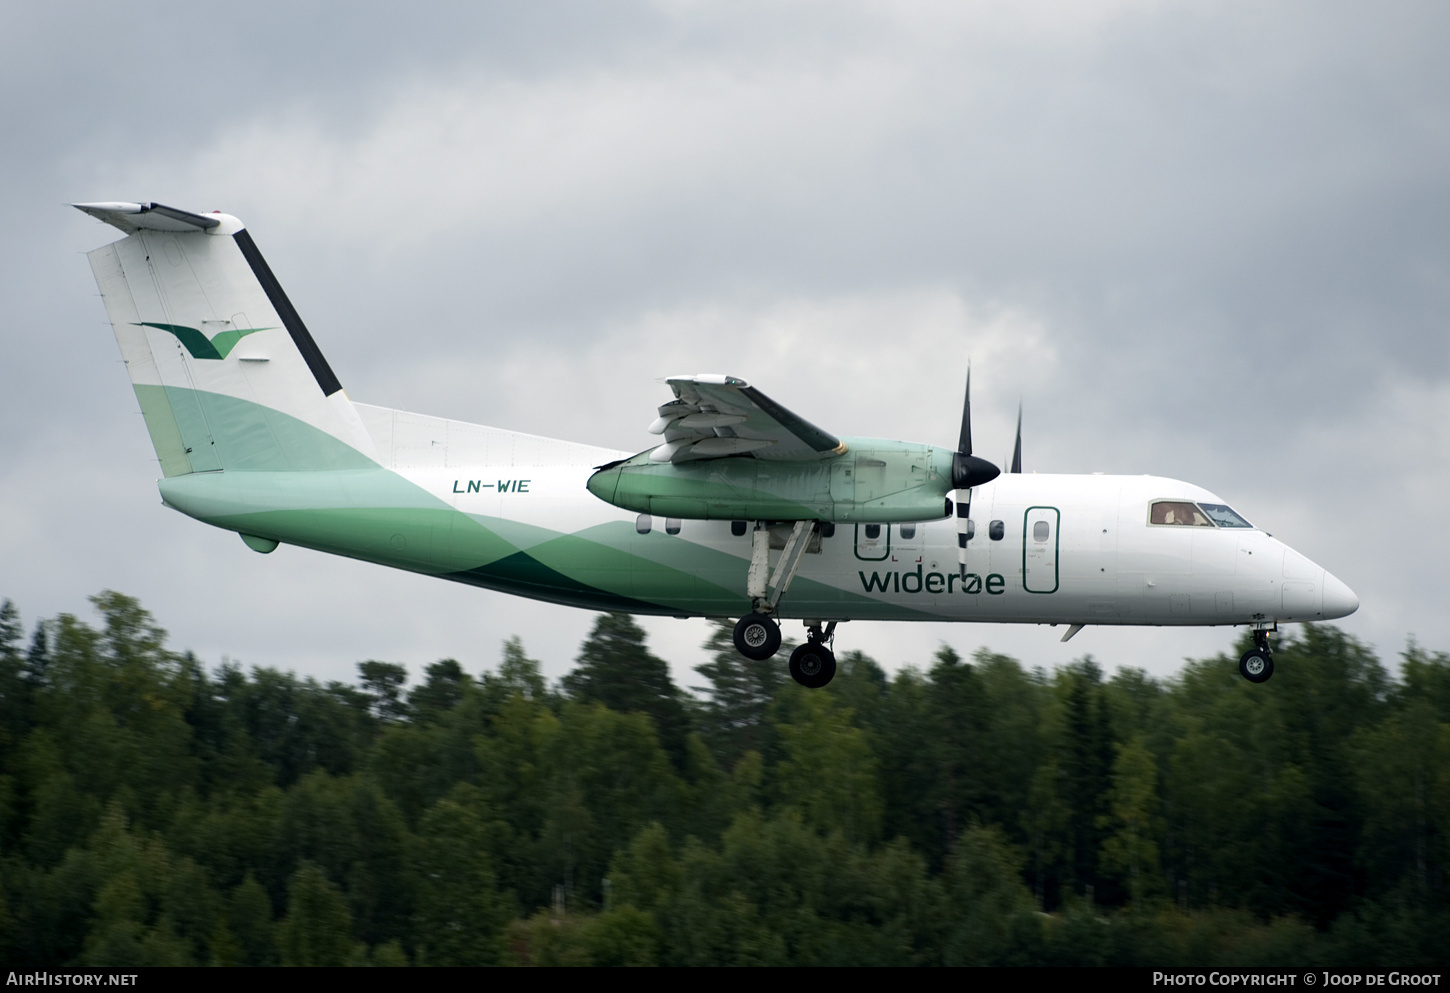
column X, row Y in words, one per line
column 714, row 416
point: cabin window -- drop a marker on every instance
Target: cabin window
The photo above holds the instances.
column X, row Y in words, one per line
column 872, row 531
column 996, row 530
column 971, row 529
column 1040, row 531
column 908, row 531
column 1178, row 513
column 672, row 525
column 828, row 529
column 643, row 523
column 1224, row 516
column 737, row 528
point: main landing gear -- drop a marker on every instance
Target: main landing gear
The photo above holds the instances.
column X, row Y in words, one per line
column 1257, row 664
column 757, row 635
column 813, row 665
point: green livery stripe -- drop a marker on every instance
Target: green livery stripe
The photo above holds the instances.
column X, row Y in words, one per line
column 301, row 486
column 596, row 557
column 216, row 431
column 568, row 569
column 523, row 574
column 451, row 545
column 165, row 430
column 427, row 541
column 378, row 516
column 401, row 537
column 672, row 570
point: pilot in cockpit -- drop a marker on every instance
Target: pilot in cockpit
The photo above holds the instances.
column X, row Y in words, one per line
column 1178, row 513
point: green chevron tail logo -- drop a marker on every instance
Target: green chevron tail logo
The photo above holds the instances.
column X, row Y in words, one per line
column 198, row 344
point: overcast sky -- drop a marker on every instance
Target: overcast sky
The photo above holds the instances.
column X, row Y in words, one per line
column 1206, row 241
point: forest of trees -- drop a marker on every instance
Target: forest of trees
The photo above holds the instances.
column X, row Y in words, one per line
column 155, row 810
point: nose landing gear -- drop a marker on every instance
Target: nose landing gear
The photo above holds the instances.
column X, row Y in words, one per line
column 1257, row 664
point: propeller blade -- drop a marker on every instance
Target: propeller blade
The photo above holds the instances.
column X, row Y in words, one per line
column 964, row 440
column 1017, row 448
column 967, row 469
column 964, row 512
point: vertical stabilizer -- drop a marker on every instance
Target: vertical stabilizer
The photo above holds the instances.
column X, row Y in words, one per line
column 227, row 375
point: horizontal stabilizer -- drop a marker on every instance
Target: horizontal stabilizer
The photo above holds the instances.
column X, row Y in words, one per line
column 133, row 217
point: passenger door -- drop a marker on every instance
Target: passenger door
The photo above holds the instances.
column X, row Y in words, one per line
column 1040, row 545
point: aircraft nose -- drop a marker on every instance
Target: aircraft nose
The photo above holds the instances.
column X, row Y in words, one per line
column 1339, row 600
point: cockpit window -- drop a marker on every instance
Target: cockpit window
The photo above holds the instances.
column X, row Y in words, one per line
column 1224, row 516
column 1179, row 512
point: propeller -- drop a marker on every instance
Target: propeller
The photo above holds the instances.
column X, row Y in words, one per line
column 967, row 471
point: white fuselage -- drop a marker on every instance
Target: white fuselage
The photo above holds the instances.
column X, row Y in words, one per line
column 1098, row 560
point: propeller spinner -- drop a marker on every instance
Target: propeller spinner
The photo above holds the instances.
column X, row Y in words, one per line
column 968, row 471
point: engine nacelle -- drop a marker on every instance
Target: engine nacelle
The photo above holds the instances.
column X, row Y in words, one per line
column 876, row 481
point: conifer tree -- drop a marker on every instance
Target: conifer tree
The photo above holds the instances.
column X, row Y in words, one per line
column 14, row 692
column 440, row 692
column 1087, row 767
column 382, row 682
column 517, row 673
column 739, row 694
column 249, row 916
column 617, row 670
column 1134, row 822
column 318, row 928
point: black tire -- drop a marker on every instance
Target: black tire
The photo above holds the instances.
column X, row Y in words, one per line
column 1257, row 665
column 757, row 637
column 813, row 665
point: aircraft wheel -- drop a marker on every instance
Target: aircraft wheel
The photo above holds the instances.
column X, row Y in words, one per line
column 812, row 665
column 757, row 637
column 1257, row 665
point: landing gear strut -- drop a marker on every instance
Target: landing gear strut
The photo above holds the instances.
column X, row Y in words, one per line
column 813, row 665
column 757, row 636
column 1257, row 664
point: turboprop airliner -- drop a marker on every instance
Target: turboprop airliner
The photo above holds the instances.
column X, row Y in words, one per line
column 740, row 509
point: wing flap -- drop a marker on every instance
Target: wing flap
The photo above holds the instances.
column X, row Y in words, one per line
column 716, row 416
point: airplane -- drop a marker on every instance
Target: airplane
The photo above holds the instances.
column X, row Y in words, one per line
column 741, row 509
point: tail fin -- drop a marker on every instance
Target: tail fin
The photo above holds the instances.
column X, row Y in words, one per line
column 227, row 375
